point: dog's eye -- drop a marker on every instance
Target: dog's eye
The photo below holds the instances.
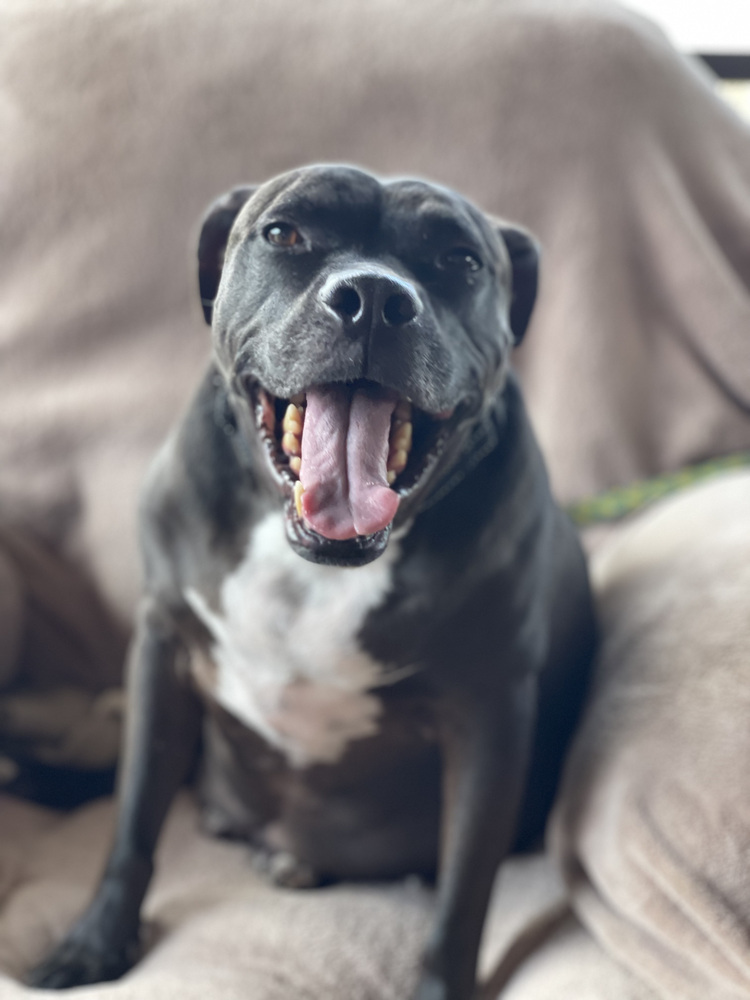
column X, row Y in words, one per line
column 459, row 259
column 281, row 234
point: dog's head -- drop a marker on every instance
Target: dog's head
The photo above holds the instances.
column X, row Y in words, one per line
column 361, row 326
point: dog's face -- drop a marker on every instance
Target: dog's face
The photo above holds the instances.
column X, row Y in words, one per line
column 362, row 324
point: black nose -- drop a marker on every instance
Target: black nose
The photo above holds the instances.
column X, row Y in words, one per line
column 363, row 299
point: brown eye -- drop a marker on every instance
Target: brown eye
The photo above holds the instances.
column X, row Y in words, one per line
column 460, row 259
column 282, row 235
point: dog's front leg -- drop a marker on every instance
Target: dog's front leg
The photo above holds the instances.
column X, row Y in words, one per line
column 161, row 736
column 486, row 739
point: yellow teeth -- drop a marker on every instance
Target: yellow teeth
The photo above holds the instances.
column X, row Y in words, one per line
column 291, row 441
column 299, row 489
column 293, row 420
column 400, row 441
column 291, row 444
column 401, row 438
column 397, row 461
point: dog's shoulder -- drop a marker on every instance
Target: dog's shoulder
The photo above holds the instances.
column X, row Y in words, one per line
column 198, row 498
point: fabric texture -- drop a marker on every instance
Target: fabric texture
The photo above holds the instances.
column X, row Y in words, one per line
column 653, row 823
column 215, row 928
column 122, row 120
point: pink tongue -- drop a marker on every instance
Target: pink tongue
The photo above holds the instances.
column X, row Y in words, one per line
column 344, row 454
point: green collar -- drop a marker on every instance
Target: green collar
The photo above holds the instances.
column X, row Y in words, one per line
column 611, row 505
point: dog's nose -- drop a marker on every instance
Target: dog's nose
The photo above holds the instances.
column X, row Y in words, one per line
column 363, row 299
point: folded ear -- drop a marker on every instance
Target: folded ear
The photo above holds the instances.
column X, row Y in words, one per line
column 213, row 242
column 524, row 258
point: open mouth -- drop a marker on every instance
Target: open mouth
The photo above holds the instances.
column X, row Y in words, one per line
column 345, row 455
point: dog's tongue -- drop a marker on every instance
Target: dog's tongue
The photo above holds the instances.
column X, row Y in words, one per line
column 344, row 455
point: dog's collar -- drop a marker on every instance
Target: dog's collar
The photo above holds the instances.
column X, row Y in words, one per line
column 615, row 504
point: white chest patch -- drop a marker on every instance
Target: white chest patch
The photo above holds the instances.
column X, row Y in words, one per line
column 285, row 647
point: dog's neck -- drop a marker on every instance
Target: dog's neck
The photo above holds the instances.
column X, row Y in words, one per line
column 470, row 446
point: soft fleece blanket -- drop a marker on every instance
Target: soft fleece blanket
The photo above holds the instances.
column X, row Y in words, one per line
column 121, row 120
column 653, row 823
column 215, row 929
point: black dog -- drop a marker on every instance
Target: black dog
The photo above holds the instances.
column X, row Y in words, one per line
column 351, row 534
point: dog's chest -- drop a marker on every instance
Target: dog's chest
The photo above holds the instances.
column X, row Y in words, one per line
column 287, row 661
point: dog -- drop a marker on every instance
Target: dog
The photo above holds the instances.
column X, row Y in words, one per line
column 361, row 600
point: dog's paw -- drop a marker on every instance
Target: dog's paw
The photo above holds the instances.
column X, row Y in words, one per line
column 76, row 962
column 285, row 870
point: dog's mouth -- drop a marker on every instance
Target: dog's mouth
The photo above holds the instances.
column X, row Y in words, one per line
column 345, row 454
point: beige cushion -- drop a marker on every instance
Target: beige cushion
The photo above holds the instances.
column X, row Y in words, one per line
column 653, row 824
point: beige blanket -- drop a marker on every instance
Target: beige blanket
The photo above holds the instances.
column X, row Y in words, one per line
column 214, row 929
column 121, row 120
column 653, row 825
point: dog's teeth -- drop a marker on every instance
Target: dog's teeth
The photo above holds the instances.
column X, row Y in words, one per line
column 402, row 437
column 400, row 441
column 397, row 461
column 290, row 444
column 293, row 420
column 295, row 464
column 299, row 489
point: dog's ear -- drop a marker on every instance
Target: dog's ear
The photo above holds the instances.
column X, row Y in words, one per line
column 524, row 254
column 213, row 242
